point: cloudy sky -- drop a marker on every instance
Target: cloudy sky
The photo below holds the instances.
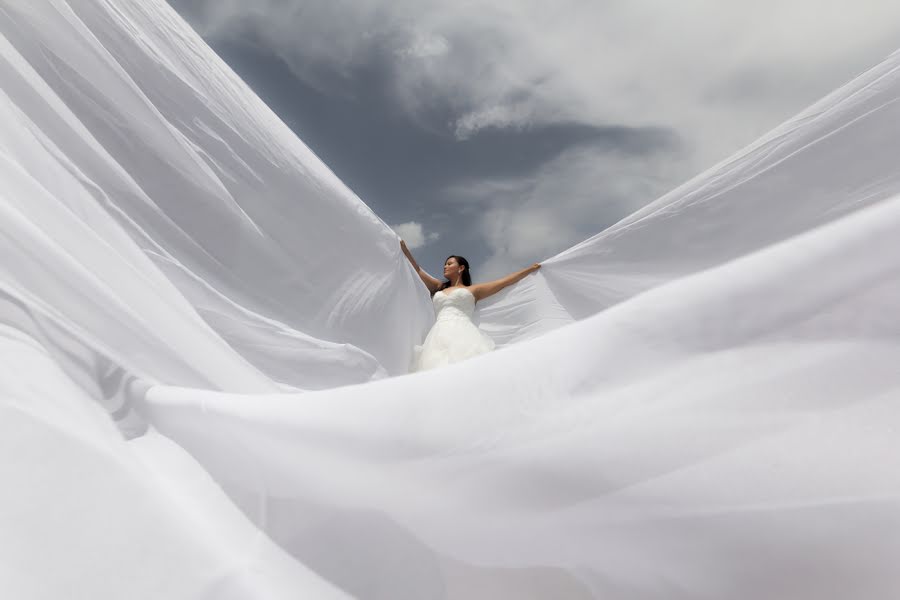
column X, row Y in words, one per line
column 508, row 130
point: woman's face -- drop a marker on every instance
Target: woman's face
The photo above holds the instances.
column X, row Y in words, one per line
column 451, row 268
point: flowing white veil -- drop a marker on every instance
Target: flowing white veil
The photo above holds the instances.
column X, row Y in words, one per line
column 205, row 334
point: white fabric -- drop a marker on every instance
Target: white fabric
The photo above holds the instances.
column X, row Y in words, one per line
column 454, row 336
column 717, row 419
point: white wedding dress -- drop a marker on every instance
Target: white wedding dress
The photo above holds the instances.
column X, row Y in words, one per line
column 454, row 336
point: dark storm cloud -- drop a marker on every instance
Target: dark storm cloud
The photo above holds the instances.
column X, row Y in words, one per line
column 405, row 166
column 510, row 129
column 387, row 157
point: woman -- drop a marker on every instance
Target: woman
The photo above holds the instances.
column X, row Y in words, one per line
column 454, row 336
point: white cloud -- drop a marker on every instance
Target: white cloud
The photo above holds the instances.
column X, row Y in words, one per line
column 422, row 47
column 498, row 116
column 579, row 193
column 718, row 74
column 414, row 234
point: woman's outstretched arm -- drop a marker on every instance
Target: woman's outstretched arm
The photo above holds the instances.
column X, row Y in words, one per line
column 430, row 282
column 484, row 290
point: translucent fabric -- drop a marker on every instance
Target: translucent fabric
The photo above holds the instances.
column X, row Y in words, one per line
column 205, row 336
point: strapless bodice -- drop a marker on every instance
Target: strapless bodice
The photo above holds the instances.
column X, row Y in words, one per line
column 458, row 303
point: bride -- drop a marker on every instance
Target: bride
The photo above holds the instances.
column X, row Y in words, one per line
column 454, row 337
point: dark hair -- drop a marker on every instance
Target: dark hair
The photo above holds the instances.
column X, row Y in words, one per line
column 466, row 275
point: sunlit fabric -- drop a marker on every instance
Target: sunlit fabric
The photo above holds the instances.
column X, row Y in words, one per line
column 205, row 337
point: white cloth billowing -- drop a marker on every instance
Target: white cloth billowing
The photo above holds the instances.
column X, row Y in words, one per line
column 717, row 420
column 454, row 337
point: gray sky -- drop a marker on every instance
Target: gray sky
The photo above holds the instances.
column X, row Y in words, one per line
column 508, row 130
